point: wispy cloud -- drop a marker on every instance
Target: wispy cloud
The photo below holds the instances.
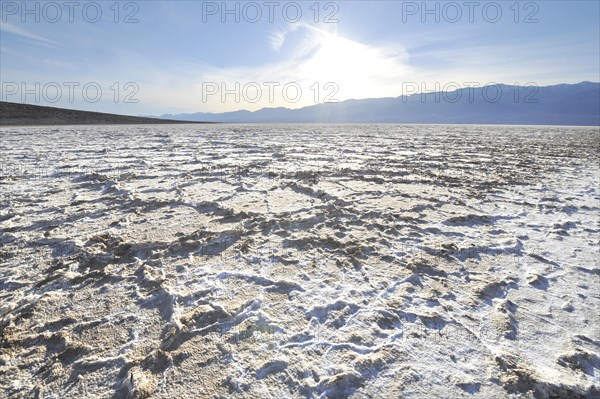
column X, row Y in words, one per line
column 15, row 30
column 276, row 39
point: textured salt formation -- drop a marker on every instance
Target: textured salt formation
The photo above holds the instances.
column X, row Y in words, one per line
column 312, row 261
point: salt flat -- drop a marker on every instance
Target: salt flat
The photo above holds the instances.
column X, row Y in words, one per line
column 332, row 261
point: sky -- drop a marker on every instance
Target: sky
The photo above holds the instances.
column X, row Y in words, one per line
column 158, row 57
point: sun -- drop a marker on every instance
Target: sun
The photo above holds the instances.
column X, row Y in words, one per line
column 354, row 67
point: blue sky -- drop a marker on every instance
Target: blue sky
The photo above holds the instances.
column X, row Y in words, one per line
column 180, row 56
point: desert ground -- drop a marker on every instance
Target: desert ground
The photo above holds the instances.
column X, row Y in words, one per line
column 308, row 261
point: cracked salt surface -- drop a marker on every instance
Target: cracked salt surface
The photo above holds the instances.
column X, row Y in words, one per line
column 300, row 261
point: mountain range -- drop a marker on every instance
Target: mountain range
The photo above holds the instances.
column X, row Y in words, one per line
column 562, row 104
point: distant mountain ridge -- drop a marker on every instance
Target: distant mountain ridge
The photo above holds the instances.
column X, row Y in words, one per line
column 562, row 104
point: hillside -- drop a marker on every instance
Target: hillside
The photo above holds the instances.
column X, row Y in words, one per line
column 14, row 114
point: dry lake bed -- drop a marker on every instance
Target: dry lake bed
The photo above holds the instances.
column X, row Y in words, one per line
column 309, row 261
